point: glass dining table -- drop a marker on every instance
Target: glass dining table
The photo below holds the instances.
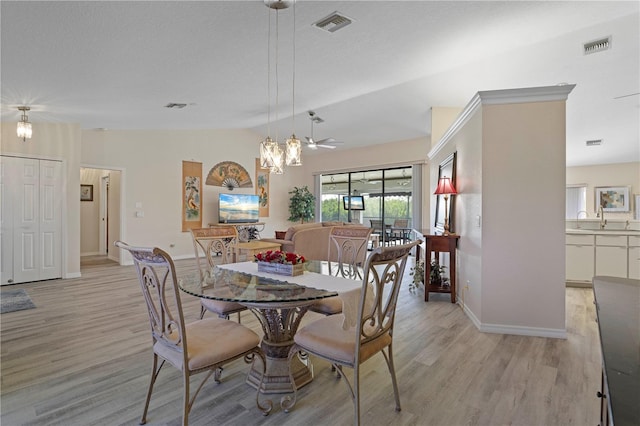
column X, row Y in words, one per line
column 279, row 302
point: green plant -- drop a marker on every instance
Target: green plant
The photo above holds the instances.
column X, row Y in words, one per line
column 436, row 275
column 301, row 204
column 417, row 272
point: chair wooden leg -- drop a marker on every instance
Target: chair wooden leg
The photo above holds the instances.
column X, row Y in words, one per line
column 154, row 376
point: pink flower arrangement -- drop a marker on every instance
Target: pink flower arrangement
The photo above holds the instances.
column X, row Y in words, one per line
column 278, row 256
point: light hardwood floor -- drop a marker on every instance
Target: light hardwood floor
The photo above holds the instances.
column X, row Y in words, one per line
column 82, row 357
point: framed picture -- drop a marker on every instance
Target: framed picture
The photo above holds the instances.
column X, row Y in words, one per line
column 86, row 192
column 613, row 198
column 447, row 168
column 262, row 188
column 191, row 195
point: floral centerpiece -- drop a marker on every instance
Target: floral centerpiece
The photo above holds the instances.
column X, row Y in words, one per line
column 280, row 262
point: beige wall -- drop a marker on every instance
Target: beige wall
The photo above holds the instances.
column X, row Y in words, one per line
column 151, row 165
column 509, row 212
column 441, row 119
column 523, row 203
column 62, row 142
column 467, row 208
column 90, row 213
column 623, row 174
column 114, row 213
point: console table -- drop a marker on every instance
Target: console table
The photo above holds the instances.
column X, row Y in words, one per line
column 438, row 244
column 243, row 228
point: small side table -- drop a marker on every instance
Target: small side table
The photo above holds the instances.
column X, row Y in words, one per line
column 438, row 244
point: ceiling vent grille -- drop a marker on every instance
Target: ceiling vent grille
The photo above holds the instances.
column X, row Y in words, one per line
column 597, row 45
column 594, row 142
column 175, row 105
column 333, row 22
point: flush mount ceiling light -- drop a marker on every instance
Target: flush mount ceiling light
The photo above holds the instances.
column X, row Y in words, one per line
column 272, row 155
column 24, row 130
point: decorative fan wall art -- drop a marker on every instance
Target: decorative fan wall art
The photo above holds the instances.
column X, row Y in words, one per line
column 229, row 174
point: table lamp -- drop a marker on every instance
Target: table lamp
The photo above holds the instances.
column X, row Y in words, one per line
column 445, row 187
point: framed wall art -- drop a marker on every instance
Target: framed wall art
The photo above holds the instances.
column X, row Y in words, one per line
column 446, row 169
column 262, row 188
column 86, row 192
column 613, row 198
column 191, row 195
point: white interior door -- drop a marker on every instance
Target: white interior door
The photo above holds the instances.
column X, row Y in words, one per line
column 32, row 217
column 26, row 213
column 6, row 221
column 50, row 219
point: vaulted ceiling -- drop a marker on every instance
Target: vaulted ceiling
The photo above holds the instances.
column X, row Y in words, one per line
column 115, row 65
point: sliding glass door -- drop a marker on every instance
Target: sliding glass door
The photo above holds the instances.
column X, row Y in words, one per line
column 381, row 199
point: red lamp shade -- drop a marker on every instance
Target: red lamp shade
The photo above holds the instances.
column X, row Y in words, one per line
column 445, row 187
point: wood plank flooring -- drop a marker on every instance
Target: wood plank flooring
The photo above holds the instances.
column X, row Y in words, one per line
column 82, row 357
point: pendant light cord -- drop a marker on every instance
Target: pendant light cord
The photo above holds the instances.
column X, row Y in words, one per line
column 269, row 73
column 293, row 101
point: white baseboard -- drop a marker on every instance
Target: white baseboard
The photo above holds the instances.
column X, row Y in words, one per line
column 72, row 275
column 90, row 253
column 517, row 330
column 553, row 333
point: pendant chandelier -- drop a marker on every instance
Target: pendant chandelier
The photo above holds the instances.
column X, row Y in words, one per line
column 24, row 130
column 273, row 155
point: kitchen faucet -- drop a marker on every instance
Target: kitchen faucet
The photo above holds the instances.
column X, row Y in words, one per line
column 603, row 221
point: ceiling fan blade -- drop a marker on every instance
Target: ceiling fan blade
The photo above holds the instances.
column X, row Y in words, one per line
column 321, row 145
column 329, row 141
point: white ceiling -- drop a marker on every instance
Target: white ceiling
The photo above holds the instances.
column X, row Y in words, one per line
column 114, row 65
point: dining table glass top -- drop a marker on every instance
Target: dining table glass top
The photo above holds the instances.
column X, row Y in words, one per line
column 242, row 283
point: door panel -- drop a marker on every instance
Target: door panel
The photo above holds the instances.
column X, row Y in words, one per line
column 26, row 225
column 7, row 170
column 50, row 219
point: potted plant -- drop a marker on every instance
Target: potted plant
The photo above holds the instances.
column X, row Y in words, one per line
column 436, row 275
column 301, row 204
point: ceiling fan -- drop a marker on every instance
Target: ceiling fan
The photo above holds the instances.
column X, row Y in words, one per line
column 329, row 143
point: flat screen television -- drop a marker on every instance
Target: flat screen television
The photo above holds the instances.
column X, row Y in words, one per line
column 357, row 202
column 238, row 208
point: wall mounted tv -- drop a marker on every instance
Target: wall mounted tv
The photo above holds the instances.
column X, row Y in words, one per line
column 357, row 202
column 238, row 208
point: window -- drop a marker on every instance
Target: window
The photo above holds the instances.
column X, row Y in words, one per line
column 576, row 201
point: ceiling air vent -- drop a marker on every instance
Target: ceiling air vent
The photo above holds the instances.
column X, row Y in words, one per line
column 597, row 45
column 594, row 142
column 175, row 105
column 333, row 22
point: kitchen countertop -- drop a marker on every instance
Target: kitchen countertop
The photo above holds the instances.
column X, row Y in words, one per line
column 618, row 308
column 602, row 231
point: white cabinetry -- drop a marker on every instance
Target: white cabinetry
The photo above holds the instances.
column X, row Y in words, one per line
column 579, row 258
column 634, row 257
column 611, row 255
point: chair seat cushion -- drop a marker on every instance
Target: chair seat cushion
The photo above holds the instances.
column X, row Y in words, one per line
column 210, row 341
column 221, row 307
column 327, row 339
column 328, row 306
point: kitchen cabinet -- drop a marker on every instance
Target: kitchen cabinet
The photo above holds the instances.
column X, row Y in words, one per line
column 580, row 258
column 634, row 257
column 611, row 255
